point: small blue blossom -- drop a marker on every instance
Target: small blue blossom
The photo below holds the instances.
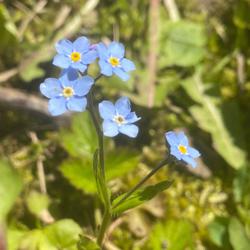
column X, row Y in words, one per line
column 118, row 118
column 112, row 60
column 179, row 147
column 76, row 55
column 66, row 93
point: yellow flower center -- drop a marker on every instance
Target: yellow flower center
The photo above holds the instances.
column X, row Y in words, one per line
column 114, row 61
column 182, row 149
column 68, row 92
column 75, row 56
column 119, row 119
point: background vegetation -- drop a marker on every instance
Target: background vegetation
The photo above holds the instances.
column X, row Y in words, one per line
column 193, row 73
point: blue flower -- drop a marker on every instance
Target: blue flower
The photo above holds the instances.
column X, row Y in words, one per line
column 179, row 147
column 67, row 93
column 76, row 55
column 118, row 118
column 112, row 60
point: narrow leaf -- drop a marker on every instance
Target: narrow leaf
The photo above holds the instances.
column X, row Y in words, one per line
column 139, row 197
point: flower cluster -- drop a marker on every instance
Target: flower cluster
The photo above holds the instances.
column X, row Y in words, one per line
column 70, row 90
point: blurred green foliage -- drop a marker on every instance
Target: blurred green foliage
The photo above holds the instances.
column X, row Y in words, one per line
column 202, row 85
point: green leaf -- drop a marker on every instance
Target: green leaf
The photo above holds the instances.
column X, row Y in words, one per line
column 35, row 240
column 218, row 232
column 37, row 202
column 64, row 233
column 80, row 172
column 139, row 197
column 222, row 121
column 182, row 43
column 14, row 237
column 237, row 235
column 8, row 30
column 10, row 187
column 172, row 235
column 87, row 244
column 81, row 141
column 241, row 16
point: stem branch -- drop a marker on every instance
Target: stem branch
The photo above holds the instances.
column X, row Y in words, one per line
column 139, row 184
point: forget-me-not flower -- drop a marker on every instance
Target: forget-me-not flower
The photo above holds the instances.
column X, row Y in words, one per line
column 112, row 60
column 67, row 93
column 77, row 54
column 179, row 147
column 118, row 118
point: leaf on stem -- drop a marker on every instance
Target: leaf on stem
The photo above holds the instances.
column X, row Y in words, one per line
column 139, row 197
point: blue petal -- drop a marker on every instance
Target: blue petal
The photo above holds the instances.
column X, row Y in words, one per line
column 102, row 51
column 77, row 104
column 172, row 138
column 83, row 85
column 89, row 57
column 57, row 106
column 106, row 110
column 79, row 65
column 51, row 87
column 68, row 74
column 130, row 130
column 193, row 152
column 127, row 65
column 81, row 44
column 110, row 128
column 132, row 117
column 122, row 74
column 122, row 106
column 106, row 68
column 64, row 47
column 183, row 140
column 61, row 61
column 189, row 160
column 175, row 152
column 116, row 49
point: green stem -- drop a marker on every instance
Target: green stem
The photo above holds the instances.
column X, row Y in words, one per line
column 98, row 131
column 152, row 172
column 107, row 213
column 103, row 228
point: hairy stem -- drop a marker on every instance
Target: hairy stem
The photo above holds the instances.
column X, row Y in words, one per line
column 107, row 212
column 98, row 131
column 103, row 228
column 139, row 184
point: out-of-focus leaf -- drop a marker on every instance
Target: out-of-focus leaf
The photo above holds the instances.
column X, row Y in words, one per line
column 237, row 235
column 14, row 237
column 34, row 240
column 37, row 202
column 173, row 235
column 10, row 187
column 241, row 14
column 63, row 234
column 241, row 185
column 81, row 141
column 120, row 161
column 87, row 244
column 7, row 29
column 218, row 232
column 139, row 197
column 182, row 43
column 222, row 121
column 80, row 173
